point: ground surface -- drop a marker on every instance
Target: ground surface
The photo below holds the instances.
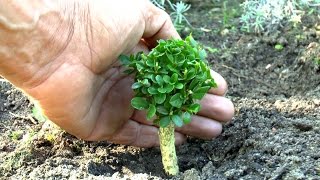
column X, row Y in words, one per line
column 275, row 133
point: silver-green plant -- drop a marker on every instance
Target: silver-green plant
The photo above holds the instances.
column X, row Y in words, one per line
column 178, row 11
column 263, row 15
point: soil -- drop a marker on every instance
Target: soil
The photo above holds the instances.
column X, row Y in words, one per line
column 275, row 133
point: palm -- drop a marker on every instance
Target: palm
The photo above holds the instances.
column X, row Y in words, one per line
column 85, row 102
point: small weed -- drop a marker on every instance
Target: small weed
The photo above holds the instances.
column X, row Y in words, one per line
column 211, row 50
column 278, row 47
column 37, row 113
column 317, row 61
column 16, row 135
column 21, row 154
column 229, row 12
column 16, row 159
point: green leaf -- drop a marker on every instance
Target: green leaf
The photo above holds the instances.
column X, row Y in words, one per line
column 203, row 89
column 191, row 74
column 139, row 103
column 211, row 83
column 177, row 120
column 136, row 85
column 205, row 68
column 159, row 98
column 159, row 79
column 166, row 79
column 152, row 90
column 150, row 62
column 193, row 84
column 170, row 57
column 202, row 77
column 186, row 117
column 162, row 90
column 176, row 100
column 169, row 88
column 180, row 59
column 125, row 60
column 191, row 41
column 202, row 54
column 171, row 68
column 140, row 66
column 194, row 108
column 128, row 71
column 151, row 111
column 179, row 86
column 164, row 121
column 162, row 110
column 174, row 78
column 200, row 92
column 146, row 83
column 37, row 113
column 198, row 95
column 144, row 90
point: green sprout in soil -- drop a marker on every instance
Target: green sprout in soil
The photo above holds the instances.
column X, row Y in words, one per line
column 169, row 82
column 38, row 114
column 317, row 61
column 278, row 47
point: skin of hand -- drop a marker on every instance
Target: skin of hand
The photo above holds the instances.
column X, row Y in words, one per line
column 66, row 61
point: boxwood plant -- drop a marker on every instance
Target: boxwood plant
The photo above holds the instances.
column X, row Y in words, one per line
column 169, row 82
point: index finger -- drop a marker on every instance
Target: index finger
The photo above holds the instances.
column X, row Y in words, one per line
column 158, row 25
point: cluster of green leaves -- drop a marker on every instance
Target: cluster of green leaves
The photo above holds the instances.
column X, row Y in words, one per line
column 170, row 80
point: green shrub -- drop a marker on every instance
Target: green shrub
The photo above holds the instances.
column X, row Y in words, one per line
column 169, row 82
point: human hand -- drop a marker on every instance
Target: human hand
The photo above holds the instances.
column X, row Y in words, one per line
column 68, row 64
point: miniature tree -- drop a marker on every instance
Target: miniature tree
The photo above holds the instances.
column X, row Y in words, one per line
column 169, row 82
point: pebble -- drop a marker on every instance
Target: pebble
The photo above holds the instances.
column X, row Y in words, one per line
column 191, row 174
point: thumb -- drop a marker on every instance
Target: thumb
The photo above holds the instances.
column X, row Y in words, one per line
column 158, row 25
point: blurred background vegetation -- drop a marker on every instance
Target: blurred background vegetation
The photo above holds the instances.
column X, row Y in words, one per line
column 255, row 16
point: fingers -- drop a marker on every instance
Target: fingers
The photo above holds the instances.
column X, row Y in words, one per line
column 141, row 117
column 202, row 127
column 158, row 26
column 216, row 107
column 140, row 135
column 222, row 88
column 140, row 47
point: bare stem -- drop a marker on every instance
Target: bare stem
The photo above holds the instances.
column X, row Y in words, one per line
column 168, row 150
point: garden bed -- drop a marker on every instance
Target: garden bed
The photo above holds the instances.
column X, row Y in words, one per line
column 275, row 133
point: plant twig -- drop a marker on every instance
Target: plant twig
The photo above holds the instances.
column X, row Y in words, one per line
column 29, row 117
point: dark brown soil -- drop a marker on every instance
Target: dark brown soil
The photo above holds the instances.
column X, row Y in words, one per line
column 275, row 133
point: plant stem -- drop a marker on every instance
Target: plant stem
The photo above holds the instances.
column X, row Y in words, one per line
column 168, row 150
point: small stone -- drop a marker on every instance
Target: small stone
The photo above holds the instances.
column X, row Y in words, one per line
column 191, row 174
column 208, row 170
